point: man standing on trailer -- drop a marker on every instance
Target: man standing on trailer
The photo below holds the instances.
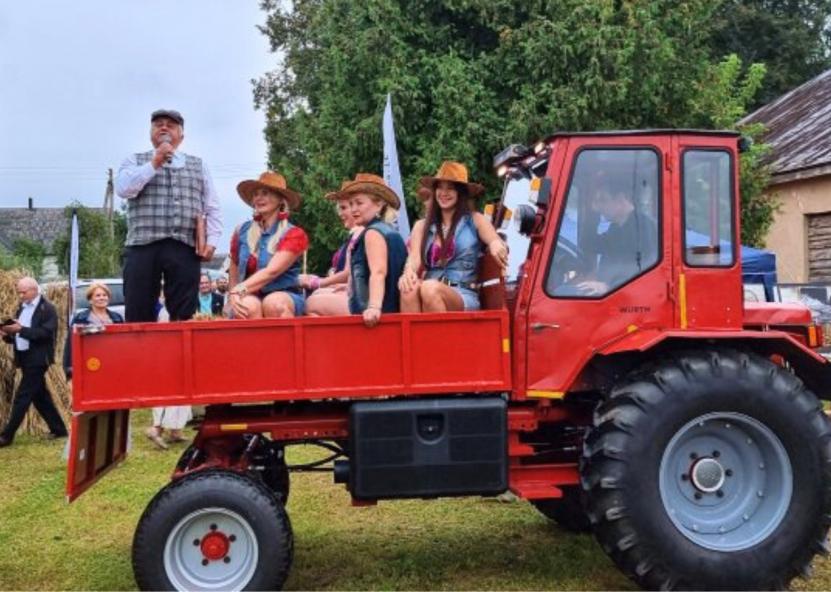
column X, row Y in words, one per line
column 171, row 200
column 32, row 334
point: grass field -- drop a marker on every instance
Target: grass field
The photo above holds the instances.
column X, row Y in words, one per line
column 462, row 544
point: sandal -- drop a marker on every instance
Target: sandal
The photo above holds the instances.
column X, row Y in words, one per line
column 154, row 437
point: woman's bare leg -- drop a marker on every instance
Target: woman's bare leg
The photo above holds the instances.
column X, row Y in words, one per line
column 278, row 305
column 439, row 297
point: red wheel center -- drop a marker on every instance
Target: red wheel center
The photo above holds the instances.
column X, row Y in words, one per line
column 215, row 545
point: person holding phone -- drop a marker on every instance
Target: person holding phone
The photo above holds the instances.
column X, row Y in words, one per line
column 32, row 335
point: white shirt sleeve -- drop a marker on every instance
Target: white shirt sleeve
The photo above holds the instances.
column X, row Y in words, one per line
column 132, row 177
column 210, row 199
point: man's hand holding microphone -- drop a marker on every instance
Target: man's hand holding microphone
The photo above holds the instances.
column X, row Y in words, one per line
column 164, row 151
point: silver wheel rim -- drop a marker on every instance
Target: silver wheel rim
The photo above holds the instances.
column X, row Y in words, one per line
column 194, row 557
column 725, row 481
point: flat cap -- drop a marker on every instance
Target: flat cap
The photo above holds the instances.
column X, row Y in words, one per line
column 169, row 113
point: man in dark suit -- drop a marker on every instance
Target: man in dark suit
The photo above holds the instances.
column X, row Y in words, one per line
column 209, row 302
column 32, row 335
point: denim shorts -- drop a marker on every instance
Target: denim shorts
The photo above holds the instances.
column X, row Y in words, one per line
column 469, row 297
column 299, row 303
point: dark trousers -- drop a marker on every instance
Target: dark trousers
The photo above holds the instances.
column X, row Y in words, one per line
column 144, row 268
column 33, row 391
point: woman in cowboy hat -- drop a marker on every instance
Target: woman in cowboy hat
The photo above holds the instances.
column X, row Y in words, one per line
column 265, row 252
column 330, row 295
column 379, row 252
column 441, row 269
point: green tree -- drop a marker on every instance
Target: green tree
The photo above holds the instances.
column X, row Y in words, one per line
column 26, row 255
column 791, row 37
column 470, row 76
column 724, row 96
column 100, row 245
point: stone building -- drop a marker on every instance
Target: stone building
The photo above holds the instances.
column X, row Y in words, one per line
column 42, row 225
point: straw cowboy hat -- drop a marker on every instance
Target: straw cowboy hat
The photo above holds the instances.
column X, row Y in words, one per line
column 273, row 182
column 338, row 195
column 374, row 185
column 455, row 172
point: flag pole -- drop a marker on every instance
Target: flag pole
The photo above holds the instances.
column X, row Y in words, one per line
column 392, row 173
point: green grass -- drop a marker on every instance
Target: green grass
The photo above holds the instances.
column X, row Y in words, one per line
column 458, row 544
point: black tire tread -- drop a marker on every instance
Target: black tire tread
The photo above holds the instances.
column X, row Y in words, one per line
column 147, row 577
column 629, row 405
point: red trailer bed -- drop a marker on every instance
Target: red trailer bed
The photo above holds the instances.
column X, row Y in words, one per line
column 234, row 361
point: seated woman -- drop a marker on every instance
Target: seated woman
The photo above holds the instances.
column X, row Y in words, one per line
column 98, row 295
column 446, row 245
column 330, row 293
column 265, row 252
column 379, row 253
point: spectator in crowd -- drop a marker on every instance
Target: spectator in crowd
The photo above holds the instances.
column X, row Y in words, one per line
column 170, row 201
column 96, row 314
column 265, row 252
column 173, row 419
column 442, row 266
column 222, row 289
column 32, row 335
column 379, row 252
column 210, row 303
column 330, row 295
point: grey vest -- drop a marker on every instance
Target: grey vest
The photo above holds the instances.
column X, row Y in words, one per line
column 168, row 205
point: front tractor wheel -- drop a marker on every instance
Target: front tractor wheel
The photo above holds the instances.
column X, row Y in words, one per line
column 710, row 471
column 213, row 530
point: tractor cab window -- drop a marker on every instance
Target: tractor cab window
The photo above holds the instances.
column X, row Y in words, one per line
column 608, row 232
column 708, row 209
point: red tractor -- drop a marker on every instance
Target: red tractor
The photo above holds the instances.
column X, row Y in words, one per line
column 615, row 379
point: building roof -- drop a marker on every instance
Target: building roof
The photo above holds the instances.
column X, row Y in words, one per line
column 799, row 127
column 43, row 225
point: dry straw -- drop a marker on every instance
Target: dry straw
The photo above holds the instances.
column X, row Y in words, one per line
column 57, row 294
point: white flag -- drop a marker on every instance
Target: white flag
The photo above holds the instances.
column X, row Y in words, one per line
column 392, row 174
column 73, row 261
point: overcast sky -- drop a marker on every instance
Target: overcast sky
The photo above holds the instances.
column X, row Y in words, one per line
column 78, row 81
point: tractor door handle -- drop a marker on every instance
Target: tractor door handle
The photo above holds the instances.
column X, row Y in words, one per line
column 541, row 326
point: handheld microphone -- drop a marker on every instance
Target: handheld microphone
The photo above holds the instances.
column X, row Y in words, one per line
column 166, row 139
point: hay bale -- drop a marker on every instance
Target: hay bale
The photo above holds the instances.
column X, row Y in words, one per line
column 57, row 294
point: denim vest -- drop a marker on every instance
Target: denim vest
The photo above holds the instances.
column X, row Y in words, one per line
column 462, row 268
column 287, row 279
column 359, row 268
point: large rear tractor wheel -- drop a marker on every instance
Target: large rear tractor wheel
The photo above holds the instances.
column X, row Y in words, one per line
column 710, row 471
column 213, row 530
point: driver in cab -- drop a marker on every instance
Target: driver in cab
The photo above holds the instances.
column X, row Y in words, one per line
column 629, row 244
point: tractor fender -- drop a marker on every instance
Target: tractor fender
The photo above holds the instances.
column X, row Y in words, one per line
column 811, row 367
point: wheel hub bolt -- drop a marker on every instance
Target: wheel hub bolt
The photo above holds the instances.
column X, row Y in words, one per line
column 226, row 559
column 205, row 562
column 729, row 472
column 213, row 527
column 232, row 537
column 196, row 542
column 693, row 455
column 697, row 495
column 720, row 493
column 685, row 477
column 716, row 454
